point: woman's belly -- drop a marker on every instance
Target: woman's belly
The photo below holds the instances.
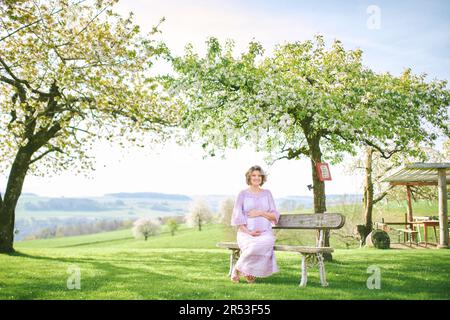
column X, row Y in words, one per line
column 258, row 223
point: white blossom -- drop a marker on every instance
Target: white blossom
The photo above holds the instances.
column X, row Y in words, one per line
column 145, row 227
column 199, row 214
column 285, row 120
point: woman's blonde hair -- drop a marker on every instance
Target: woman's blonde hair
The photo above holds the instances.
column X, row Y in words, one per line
column 249, row 172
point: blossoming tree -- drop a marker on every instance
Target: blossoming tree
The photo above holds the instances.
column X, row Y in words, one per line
column 303, row 100
column 146, row 227
column 70, row 73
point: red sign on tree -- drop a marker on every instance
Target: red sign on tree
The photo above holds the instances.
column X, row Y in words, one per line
column 323, row 171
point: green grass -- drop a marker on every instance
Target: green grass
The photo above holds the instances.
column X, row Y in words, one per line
column 188, row 265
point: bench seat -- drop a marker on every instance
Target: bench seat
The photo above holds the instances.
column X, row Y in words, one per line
column 406, row 230
column 282, row 247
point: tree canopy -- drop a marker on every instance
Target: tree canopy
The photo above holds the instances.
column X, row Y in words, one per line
column 72, row 73
column 304, row 99
column 304, row 91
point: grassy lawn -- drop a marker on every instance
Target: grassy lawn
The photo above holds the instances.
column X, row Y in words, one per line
column 113, row 265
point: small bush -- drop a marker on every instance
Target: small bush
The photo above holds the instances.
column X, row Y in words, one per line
column 146, row 227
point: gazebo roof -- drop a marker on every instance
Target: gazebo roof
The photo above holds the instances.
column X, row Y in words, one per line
column 419, row 174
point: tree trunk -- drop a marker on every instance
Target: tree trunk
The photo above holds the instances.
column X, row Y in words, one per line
column 368, row 193
column 318, row 188
column 13, row 190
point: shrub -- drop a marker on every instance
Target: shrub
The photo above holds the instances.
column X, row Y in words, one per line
column 145, row 227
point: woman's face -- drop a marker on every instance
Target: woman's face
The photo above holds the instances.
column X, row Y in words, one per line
column 255, row 178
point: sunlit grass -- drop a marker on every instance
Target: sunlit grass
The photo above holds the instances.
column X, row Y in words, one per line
column 189, row 266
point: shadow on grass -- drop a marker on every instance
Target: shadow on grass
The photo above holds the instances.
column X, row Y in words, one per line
column 94, row 242
column 202, row 274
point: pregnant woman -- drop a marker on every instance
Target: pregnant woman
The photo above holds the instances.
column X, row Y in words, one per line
column 254, row 214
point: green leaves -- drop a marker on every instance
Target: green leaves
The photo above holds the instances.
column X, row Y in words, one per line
column 303, row 90
column 99, row 64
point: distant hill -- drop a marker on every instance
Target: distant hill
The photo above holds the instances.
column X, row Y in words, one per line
column 29, row 194
column 36, row 213
column 151, row 195
column 72, row 204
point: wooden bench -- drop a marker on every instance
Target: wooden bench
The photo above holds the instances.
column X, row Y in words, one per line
column 310, row 255
column 407, row 235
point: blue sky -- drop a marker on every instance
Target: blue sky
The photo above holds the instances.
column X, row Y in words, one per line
column 411, row 34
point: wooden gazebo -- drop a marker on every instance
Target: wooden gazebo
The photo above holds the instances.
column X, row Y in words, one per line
column 426, row 174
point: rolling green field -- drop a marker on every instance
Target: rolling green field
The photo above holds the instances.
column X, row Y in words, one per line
column 114, row 265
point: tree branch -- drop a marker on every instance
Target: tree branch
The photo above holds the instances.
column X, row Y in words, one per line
column 20, row 89
column 43, row 136
column 293, row 153
column 311, row 81
column 382, row 195
column 33, row 23
column 9, row 71
column 21, row 28
column 384, row 172
column 52, row 149
column 80, row 32
column 418, row 190
column 67, row 106
column 19, row 83
column 386, row 154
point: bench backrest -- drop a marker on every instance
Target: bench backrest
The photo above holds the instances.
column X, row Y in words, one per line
column 311, row 221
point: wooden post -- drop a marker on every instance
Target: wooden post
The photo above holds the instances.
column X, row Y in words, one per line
column 443, row 210
column 409, row 208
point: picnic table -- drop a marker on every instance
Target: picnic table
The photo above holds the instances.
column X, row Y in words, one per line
column 412, row 228
column 408, row 234
column 426, row 174
column 425, row 224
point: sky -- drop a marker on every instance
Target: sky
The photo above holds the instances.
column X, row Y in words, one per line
column 392, row 34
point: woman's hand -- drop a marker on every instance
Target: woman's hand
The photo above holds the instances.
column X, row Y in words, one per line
column 255, row 213
column 255, row 233
column 258, row 213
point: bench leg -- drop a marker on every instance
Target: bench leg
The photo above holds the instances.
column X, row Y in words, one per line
column 234, row 256
column 304, row 274
column 323, row 279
